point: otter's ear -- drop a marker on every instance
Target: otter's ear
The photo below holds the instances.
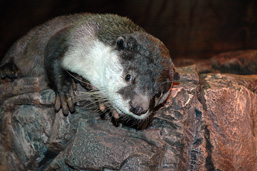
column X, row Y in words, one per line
column 121, row 43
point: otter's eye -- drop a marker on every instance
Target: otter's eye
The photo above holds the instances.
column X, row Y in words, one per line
column 158, row 94
column 128, row 77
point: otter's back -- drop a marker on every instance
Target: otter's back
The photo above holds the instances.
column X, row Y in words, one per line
column 28, row 52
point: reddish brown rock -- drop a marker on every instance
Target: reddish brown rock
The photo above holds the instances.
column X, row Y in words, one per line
column 231, row 117
column 235, row 62
column 238, row 62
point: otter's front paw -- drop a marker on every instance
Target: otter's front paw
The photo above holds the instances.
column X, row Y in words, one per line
column 65, row 98
column 9, row 70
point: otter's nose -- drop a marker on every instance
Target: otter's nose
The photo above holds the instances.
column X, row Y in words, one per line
column 138, row 110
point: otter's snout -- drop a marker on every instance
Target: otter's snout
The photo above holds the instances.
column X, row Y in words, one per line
column 138, row 110
column 139, row 105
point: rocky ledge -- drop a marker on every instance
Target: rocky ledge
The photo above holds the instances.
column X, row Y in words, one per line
column 208, row 123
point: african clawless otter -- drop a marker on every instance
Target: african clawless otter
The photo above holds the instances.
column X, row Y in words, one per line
column 128, row 67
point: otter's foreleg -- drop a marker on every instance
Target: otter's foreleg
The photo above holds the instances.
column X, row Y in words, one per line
column 59, row 79
column 63, row 85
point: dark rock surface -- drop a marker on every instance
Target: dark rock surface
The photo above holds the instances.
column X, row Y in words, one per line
column 208, row 123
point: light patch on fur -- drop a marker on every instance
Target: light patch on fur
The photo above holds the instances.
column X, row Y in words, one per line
column 144, row 116
column 100, row 65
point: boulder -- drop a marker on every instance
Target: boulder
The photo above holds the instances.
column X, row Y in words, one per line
column 234, row 62
column 209, row 122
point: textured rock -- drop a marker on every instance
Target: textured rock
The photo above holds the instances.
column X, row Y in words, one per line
column 235, row 62
column 231, row 120
column 209, row 122
column 238, row 62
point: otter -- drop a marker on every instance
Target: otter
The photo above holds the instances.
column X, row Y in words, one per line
column 131, row 69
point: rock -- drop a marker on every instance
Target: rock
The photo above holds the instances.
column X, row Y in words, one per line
column 235, row 62
column 231, row 120
column 208, row 123
column 104, row 148
column 238, row 62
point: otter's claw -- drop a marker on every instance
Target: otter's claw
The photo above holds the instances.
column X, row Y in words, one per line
column 9, row 70
column 65, row 103
column 115, row 118
column 65, row 99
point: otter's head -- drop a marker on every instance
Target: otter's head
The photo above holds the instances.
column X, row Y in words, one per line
column 147, row 74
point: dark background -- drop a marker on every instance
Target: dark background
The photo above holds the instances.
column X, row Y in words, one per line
column 189, row 28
